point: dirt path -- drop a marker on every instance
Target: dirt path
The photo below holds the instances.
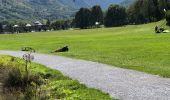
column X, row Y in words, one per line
column 120, row 83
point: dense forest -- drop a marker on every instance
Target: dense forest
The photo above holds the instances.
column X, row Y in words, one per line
column 31, row 10
column 140, row 12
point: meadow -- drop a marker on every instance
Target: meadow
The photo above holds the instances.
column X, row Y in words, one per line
column 134, row 47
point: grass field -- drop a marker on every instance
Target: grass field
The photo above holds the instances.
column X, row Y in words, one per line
column 134, row 47
column 57, row 87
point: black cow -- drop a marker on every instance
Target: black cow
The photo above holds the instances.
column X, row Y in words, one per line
column 64, row 49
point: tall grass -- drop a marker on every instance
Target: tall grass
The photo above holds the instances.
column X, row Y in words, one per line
column 43, row 83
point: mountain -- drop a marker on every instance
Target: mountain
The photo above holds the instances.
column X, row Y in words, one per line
column 34, row 10
column 46, row 9
column 103, row 3
column 127, row 3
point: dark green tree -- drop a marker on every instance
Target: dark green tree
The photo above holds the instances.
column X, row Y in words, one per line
column 144, row 11
column 115, row 16
column 152, row 10
column 164, row 4
column 1, row 28
column 96, row 15
column 168, row 17
column 10, row 28
column 82, row 18
column 48, row 23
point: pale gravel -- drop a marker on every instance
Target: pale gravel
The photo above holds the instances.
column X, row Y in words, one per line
column 120, row 83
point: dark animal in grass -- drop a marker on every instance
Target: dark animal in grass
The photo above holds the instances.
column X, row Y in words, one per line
column 28, row 49
column 162, row 29
column 159, row 29
column 64, row 49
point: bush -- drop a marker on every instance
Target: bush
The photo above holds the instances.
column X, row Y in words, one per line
column 29, row 94
column 17, row 82
column 14, row 80
column 168, row 17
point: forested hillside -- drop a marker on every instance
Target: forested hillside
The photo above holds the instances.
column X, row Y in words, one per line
column 34, row 10
column 127, row 3
column 46, row 9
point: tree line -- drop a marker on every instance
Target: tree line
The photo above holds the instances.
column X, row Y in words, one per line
column 9, row 27
column 141, row 11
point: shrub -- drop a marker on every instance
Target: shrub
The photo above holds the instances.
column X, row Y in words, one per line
column 168, row 17
column 28, row 95
column 17, row 82
column 14, row 80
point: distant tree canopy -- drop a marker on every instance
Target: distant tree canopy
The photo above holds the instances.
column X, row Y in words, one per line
column 144, row 11
column 115, row 16
column 86, row 18
column 1, row 28
column 96, row 15
column 48, row 23
column 164, row 4
column 22, row 27
column 61, row 24
column 168, row 17
column 82, row 18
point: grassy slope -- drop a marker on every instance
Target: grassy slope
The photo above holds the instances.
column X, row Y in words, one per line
column 133, row 47
column 59, row 86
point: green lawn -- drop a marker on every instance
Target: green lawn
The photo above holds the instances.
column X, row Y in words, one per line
column 57, row 85
column 134, row 47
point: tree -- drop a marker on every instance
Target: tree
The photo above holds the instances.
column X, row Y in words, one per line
column 152, row 10
column 57, row 25
column 133, row 13
column 10, row 28
column 61, row 24
column 144, row 11
column 115, row 16
column 164, row 4
column 157, row 12
column 48, row 24
column 82, row 18
column 1, row 28
column 96, row 15
column 168, row 17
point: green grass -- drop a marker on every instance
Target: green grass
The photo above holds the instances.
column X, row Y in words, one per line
column 58, row 86
column 134, row 47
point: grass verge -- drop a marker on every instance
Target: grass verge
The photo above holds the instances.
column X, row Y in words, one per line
column 58, row 86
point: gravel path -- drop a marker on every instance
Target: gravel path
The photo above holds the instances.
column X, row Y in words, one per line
column 120, row 83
